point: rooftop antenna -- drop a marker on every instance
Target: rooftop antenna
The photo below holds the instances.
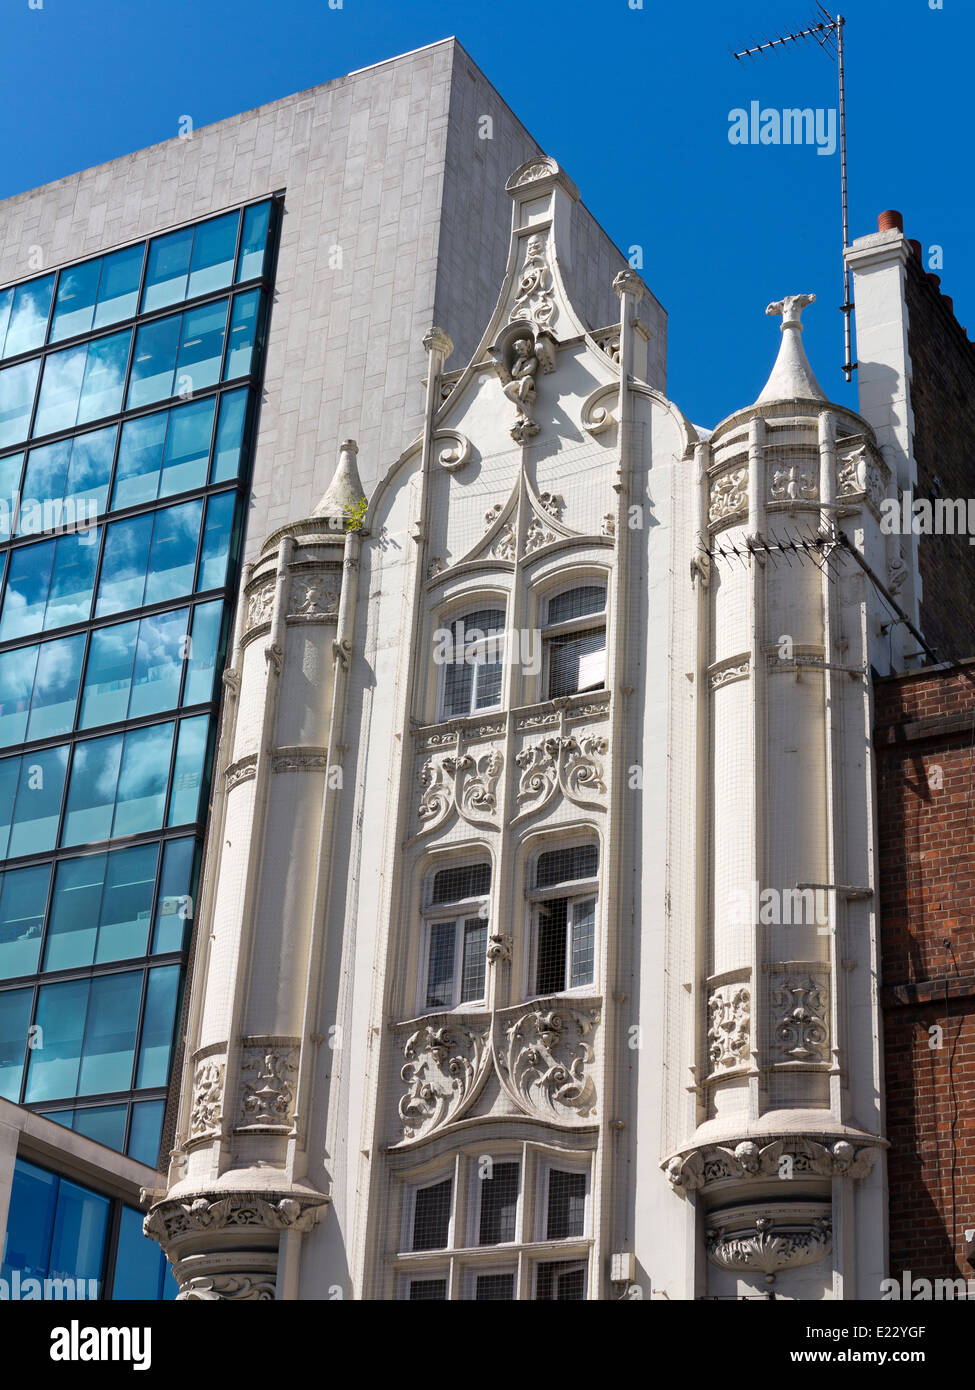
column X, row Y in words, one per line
column 827, row 31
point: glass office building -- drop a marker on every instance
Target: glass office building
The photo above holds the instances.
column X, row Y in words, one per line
column 128, row 391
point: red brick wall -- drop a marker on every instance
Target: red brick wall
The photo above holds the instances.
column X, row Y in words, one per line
column 926, row 804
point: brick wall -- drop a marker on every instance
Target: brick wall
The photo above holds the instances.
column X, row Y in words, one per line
column 926, row 815
column 943, row 402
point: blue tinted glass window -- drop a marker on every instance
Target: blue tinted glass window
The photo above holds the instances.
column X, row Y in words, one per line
column 188, row 771
column 214, row 248
column 123, row 577
column 6, row 304
column 74, row 307
column 140, row 1265
column 216, row 541
column 118, row 289
column 174, row 908
column 126, row 910
column 78, row 1243
column 75, row 906
column 108, row 678
column 72, row 579
column 157, row 1026
column 30, row 1221
column 253, row 241
column 154, row 361
column 15, row 1006
column 89, row 473
column 9, row 777
column 243, row 335
column 66, row 484
column 91, row 793
column 145, row 1132
column 166, row 274
column 57, row 406
column 159, row 663
column 139, row 460
column 16, row 683
column 39, row 793
column 143, row 777
column 172, row 560
column 53, row 1067
column 103, row 1123
column 201, row 348
column 230, row 433
column 10, row 470
column 101, row 391
column 46, row 476
column 187, row 447
column 201, row 667
column 56, row 687
column 17, row 385
column 23, row 897
column 28, row 316
column 110, row 1033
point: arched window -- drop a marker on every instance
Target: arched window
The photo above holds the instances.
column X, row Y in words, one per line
column 453, row 953
column 563, row 898
column 470, row 653
column 574, row 637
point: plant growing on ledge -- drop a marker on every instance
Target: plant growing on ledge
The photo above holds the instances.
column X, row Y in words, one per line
column 354, row 514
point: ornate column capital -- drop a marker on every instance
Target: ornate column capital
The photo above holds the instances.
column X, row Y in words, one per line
column 436, row 340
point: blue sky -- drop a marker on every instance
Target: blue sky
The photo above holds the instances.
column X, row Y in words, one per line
column 633, row 102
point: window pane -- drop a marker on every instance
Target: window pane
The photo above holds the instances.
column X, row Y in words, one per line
column 56, row 687
column 458, row 684
column 576, row 603
column 103, row 1123
column 143, row 778
column 6, row 304
column 154, row 361
column 9, row 777
column 243, row 335
column 499, row 1204
column 91, row 794
column 428, row 1290
column 476, row 626
column 214, row 248
column 39, row 796
column 431, row 1216
column 53, row 1068
column 187, row 447
column 174, row 908
column 188, row 772
column 139, row 1263
column 89, row 473
column 230, row 432
column 252, row 242
column 10, row 470
column 216, row 541
column 75, row 907
column 72, row 579
column 561, row 1282
column 101, row 392
column 57, row 408
column 45, row 477
column 172, row 558
column 30, row 1221
column 15, row 1005
column 123, row 578
column 145, row 1131
column 16, row 683
column 118, row 290
column 17, row 386
column 495, row 1288
column 475, row 959
column 159, row 663
column 566, row 1205
column 169, row 263
column 108, row 678
column 126, row 912
column 28, row 316
column 202, row 664
column 577, row 662
column 74, row 307
column 563, row 865
column 488, row 684
column 582, row 964
column 113, row 1018
column 158, row 1025
column 23, row 898
column 552, row 931
column 28, row 582
column 440, row 970
column 139, row 460
column 201, row 348
column 461, row 882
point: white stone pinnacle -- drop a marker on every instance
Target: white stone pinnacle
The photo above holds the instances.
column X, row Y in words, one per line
column 345, row 489
column 792, row 377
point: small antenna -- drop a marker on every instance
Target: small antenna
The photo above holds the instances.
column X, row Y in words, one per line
column 828, row 33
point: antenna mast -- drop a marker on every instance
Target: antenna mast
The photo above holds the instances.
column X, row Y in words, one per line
column 828, row 32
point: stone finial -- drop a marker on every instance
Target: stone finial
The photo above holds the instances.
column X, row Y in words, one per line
column 345, row 489
column 628, row 282
column 792, row 377
column 436, row 340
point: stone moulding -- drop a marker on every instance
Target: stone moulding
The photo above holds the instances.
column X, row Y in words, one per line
column 765, row 1240
column 241, row 771
column 172, row 1221
column 541, row 1052
column 797, row 1155
column 228, row 1288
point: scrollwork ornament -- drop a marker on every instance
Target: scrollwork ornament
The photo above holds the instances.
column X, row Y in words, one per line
column 544, row 1060
column 443, row 1064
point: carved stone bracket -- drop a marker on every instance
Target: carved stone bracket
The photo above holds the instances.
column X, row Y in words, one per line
column 796, row 1155
column 596, row 416
column 169, row 1220
column 764, row 1240
column 230, row 1288
column 454, row 449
